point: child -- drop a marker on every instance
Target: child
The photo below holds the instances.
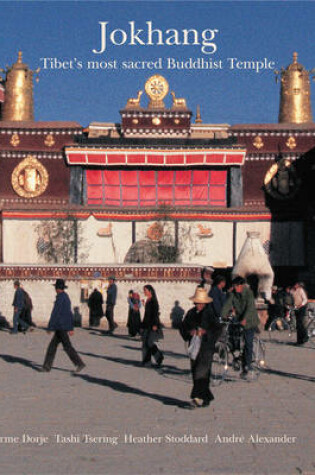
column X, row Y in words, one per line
column 134, row 320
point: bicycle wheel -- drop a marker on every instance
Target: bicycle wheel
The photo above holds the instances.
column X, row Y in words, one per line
column 311, row 328
column 259, row 352
column 219, row 364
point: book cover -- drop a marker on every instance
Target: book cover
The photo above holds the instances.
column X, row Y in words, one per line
column 162, row 94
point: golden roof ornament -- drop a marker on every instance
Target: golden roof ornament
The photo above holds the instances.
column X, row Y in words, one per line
column 134, row 102
column 29, row 178
column 198, row 116
column 18, row 104
column 178, row 102
column 156, row 88
column 15, row 140
column 49, row 140
column 295, row 94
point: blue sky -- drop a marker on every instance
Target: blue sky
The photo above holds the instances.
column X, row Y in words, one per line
column 247, row 31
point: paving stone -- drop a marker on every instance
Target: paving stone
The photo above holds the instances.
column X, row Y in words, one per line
column 119, row 418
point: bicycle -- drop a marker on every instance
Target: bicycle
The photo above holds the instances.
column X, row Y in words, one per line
column 229, row 353
column 310, row 327
column 283, row 323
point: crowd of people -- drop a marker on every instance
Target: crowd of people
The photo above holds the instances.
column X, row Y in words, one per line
column 287, row 308
column 200, row 327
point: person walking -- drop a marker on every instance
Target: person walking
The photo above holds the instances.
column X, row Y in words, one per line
column 61, row 322
column 111, row 302
column 95, row 304
column 241, row 300
column 134, row 320
column 201, row 322
column 18, row 306
column 300, row 304
column 26, row 315
column 151, row 327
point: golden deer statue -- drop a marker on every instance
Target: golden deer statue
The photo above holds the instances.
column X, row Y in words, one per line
column 178, row 102
column 134, row 101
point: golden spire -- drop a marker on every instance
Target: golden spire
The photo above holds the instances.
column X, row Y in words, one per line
column 198, row 116
column 18, row 104
column 295, row 94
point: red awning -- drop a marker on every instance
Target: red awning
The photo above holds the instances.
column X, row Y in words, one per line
column 155, row 158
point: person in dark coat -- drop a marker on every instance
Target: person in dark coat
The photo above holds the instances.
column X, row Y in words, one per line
column 19, row 306
column 217, row 294
column 287, row 302
column 201, row 321
column 111, row 302
column 95, row 304
column 61, row 322
column 241, row 300
column 151, row 327
column 276, row 311
column 27, row 311
column 300, row 304
column 134, row 319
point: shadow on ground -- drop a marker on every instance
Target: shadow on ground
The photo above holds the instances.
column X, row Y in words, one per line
column 168, row 369
column 172, row 354
column 124, row 388
column 289, row 375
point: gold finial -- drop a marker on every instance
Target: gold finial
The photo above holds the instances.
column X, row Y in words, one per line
column 295, row 94
column 18, row 104
column 198, row 116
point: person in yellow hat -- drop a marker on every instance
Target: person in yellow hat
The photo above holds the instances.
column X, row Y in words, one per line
column 200, row 321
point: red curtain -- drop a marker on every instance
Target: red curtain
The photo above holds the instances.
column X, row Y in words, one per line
column 155, row 187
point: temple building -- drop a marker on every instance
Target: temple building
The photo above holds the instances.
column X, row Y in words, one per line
column 157, row 196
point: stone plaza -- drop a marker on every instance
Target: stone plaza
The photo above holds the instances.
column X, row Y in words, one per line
column 117, row 417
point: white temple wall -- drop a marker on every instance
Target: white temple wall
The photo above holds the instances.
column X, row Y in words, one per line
column 102, row 242
column 20, row 241
column 200, row 242
column 43, row 295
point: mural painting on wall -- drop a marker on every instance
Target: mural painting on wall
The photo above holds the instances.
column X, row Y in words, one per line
column 155, row 232
column 163, row 235
column 61, row 242
column 106, row 231
column 155, row 244
column 193, row 240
